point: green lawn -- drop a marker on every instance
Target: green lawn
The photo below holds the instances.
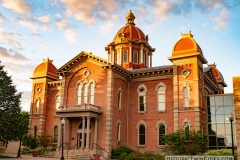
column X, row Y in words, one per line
column 5, row 156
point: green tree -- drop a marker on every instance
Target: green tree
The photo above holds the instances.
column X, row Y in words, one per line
column 9, row 107
column 188, row 142
column 22, row 120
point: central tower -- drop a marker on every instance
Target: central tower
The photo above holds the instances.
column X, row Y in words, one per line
column 129, row 47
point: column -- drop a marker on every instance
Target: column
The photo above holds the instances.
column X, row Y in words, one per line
column 59, row 132
column 110, row 54
column 95, row 133
column 147, row 60
column 151, row 60
column 130, row 52
column 83, row 132
column 120, row 56
column 141, row 54
column 88, row 134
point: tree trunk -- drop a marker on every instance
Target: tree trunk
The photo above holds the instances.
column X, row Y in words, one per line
column 19, row 148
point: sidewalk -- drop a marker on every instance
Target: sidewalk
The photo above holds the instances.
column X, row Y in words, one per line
column 24, row 156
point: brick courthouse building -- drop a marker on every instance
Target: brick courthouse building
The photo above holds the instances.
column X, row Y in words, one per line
column 124, row 101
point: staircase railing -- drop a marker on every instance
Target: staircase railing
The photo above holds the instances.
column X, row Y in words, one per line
column 101, row 149
column 71, row 149
column 59, row 147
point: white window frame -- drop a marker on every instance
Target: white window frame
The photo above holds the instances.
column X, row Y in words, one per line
column 140, row 123
column 119, row 131
column 85, row 93
column 119, row 98
column 142, row 90
column 92, row 90
column 135, row 56
column 37, row 103
column 186, row 95
column 160, row 122
column 79, row 93
column 125, row 56
column 162, row 92
column 57, row 102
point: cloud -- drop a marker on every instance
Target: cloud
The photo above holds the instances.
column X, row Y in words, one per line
column 2, row 32
column 18, row 6
column 44, row 19
column 36, row 35
column 70, row 35
column 58, row 16
column 12, row 42
column 221, row 20
column 15, row 34
column 106, row 28
column 209, row 5
column 63, row 24
column 26, row 23
column 54, row 3
column 1, row 17
column 162, row 9
column 43, row 46
column 11, row 56
column 82, row 10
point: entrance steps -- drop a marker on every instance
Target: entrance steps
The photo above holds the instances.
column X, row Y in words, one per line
column 73, row 154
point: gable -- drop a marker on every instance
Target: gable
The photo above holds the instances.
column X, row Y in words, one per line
column 79, row 59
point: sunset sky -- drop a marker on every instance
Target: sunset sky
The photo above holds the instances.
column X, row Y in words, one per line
column 60, row 29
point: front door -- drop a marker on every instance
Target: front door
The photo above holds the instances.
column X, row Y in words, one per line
column 79, row 140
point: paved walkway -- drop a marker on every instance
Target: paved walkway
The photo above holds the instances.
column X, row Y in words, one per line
column 23, row 157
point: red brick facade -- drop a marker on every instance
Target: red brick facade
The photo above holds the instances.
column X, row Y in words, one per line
column 111, row 96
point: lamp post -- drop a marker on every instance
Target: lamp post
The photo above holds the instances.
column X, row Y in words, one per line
column 62, row 122
column 230, row 117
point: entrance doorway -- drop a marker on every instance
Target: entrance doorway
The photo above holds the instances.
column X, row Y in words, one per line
column 80, row 135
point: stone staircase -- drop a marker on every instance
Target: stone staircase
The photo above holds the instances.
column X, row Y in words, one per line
column 73, row 154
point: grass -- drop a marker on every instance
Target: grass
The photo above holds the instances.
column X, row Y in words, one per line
column 5, row 156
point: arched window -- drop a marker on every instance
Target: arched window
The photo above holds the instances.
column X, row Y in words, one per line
column 142, row 98
column 125, row 57
column 79, row 93
column 185, row 97
column 161, row 98
column 34, row 131
column 119, row 98
column 85, row 93
column 55, row 134
column 186, row 131
column 161, row 134
column 141, row 135
column 118, row 131
column 37, row 106
column 57, row 103
column 135, row 57
column 92, row 93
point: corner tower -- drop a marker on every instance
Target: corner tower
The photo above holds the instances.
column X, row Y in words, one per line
column 44, row 73
column 129, row 47
column 188, row 84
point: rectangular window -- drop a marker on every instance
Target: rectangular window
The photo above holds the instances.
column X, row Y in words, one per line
column 125, row 58
column 185, row 97
column 141, row 103
column 161, row 102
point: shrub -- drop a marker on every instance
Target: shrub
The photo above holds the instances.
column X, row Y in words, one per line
column 26, row 150
column 221, row 152
column 117, row 152
column 41, row 150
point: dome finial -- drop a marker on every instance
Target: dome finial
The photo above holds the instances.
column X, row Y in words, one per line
column 130, row 18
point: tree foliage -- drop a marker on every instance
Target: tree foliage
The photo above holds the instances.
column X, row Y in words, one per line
column 191, row 143
column 9, row 107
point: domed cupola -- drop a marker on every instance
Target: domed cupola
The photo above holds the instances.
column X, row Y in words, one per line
column 129, row 47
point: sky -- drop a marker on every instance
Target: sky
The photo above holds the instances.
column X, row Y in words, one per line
column 60, row 29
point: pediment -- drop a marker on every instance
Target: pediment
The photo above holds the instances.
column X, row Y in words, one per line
column 81, row 58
